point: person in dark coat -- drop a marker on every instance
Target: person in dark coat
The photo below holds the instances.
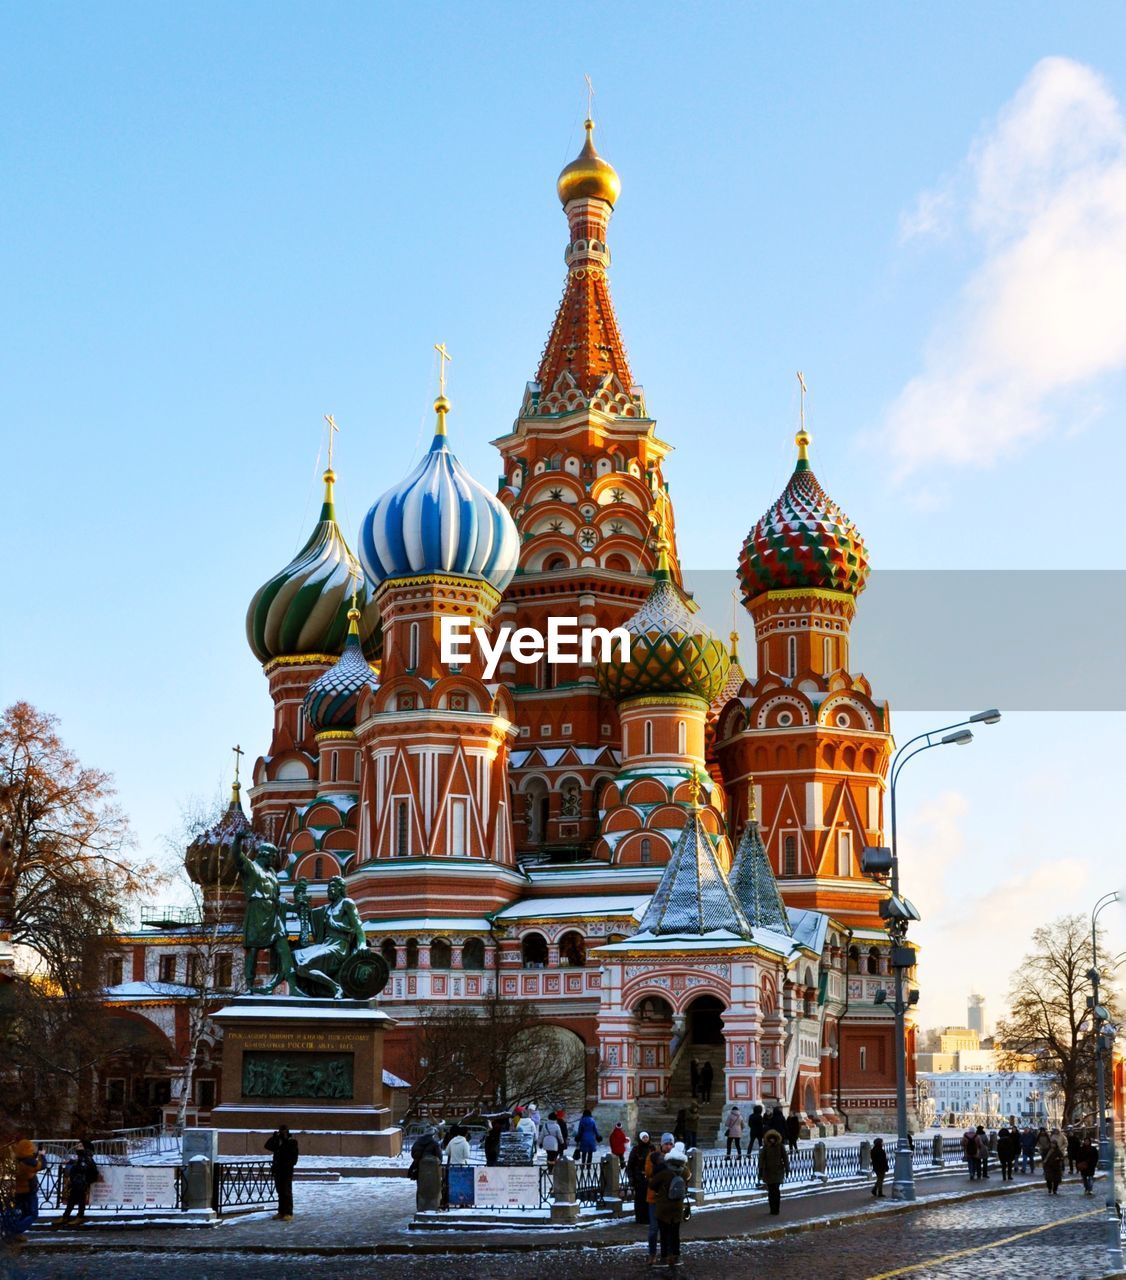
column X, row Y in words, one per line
column 707, row 1075
column 680, row 1125
column 793, row 1130
column 79, row 1175
column 879, row 1166
column 1074, row 1142
column 777, row 1121
column 1028, row 1150
column 756, row 1127
column 969, row 1151
column 773, row 1165
column 497, row 1126
column 284, row 1153
column 1053, row 1169
column 694, row 1076
column 982, row 1140
column 587, row 1138
column 1087, row 1162
column 669, row 1208
column 1007, row 1147
column 635, row 1172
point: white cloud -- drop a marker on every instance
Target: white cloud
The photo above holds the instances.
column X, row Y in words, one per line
column 1042, row 193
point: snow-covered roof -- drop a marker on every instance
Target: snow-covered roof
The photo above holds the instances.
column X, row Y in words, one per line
column 148, row 990
column 809, row 927
column 394, row 1082
column 607, row 905
column 428, row 924
column 718, row 940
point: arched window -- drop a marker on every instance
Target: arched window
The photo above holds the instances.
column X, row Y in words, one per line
column 854, row 959
column 828, row 655
column 790, row 856
column 473, row 954
column 412, row 648
column 412, row 953
column 556, row 562
column 440, row 954
column 681, row 737
column 572, row 949
column 874, row 960
column 402, row 829
column 318, row 869
column 533, row 950
column 389, row 952
column 647, row 738
column 646, row 851
column 792, row 651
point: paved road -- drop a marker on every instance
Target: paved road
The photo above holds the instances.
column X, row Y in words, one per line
column 1011, row 1237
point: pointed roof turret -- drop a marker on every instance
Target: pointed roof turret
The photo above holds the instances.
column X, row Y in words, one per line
column 752, row 880
column 694, row 899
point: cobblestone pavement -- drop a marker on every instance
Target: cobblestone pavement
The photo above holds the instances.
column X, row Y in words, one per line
column 1016, row 1235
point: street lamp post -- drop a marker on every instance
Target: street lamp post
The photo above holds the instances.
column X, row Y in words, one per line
column 1105, row 1033
column 898, row 914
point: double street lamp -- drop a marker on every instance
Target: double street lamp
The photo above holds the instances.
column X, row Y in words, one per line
column 897, row 912
column 1105, row 1034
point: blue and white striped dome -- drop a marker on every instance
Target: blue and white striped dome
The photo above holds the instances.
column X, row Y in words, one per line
column 439, row 520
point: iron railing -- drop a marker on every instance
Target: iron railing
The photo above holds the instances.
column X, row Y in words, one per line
column 242, row 1184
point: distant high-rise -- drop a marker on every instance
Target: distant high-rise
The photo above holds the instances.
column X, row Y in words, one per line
column 975, row 1014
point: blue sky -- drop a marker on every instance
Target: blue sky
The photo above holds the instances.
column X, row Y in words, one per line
column 223, row 221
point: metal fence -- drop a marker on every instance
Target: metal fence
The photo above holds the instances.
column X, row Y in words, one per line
column 242, row 1184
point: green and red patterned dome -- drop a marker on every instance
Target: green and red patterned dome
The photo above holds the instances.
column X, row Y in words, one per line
column 332, row 698
column 803, row 542
column 671, row 651
column 303, row 609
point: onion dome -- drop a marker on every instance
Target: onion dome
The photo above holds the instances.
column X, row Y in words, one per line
column 303, row 609
column 752, row 880
column 439, row 520
column 330, row 702
column 210, row 858
column 804, row 542
column 588, row 175
column 671, row 651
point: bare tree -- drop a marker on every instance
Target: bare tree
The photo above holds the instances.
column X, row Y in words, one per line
column 493, row 1055
column 66, row 881
column 1048, row 1014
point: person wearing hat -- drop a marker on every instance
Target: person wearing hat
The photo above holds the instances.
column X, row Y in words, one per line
column 653, row 1165
column 773, row 1165
column 670, row 1185
column 635, row 1172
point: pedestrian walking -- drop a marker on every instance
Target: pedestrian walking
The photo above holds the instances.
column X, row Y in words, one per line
column 777, row 1121
column 497, row 1126
column 551, row 1140
column 694, row 1076
column 527, row 1126
column 982, row 1140
column 879, row 1166
column 1087, row 1162
column 1028, row 1149
column 635, row 1172
column 756, row 1127
column 793, row 1130
column 1053, row 1169
column 653, row 1165
column 561, row 1119
column 691, row 1123
column 969, row 1151
column 587, row 1138
column 1074, row 1142
column 457, row 1149
column 30, row 1163
column 773, row 1165
column 1007, row 1147
column 283, row 1160
column 733, row 1128
column 707, row 1075
column 670, row 1187
column 80, row 1172
column 618, row 1142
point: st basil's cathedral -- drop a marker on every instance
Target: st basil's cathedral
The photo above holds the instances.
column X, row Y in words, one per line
column 659, row 850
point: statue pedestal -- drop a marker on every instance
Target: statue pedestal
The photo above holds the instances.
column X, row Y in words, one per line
column 313, row 1065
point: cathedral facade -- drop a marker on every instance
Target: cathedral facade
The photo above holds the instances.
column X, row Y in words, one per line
column 658, row 849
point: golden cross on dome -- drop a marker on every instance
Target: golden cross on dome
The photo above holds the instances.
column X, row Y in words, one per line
column 801, row 383
column 752, row 807
column 332, row 430
column 239, row 753
column 589, row 98
column 443, row 356
column 694, row 789
column 734, row 636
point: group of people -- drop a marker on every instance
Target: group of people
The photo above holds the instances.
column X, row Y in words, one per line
column 1013, row 1145
column 79, row 1173
column 757, row 1126
column 700, row 1077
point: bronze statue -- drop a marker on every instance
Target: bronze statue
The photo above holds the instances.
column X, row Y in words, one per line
column 337, row 934
column 263, row 922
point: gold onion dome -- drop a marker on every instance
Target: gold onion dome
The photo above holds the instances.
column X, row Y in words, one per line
column 670, row 652
column 588, row 176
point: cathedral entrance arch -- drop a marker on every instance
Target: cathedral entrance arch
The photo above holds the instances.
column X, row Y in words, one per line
column 705, row 1020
